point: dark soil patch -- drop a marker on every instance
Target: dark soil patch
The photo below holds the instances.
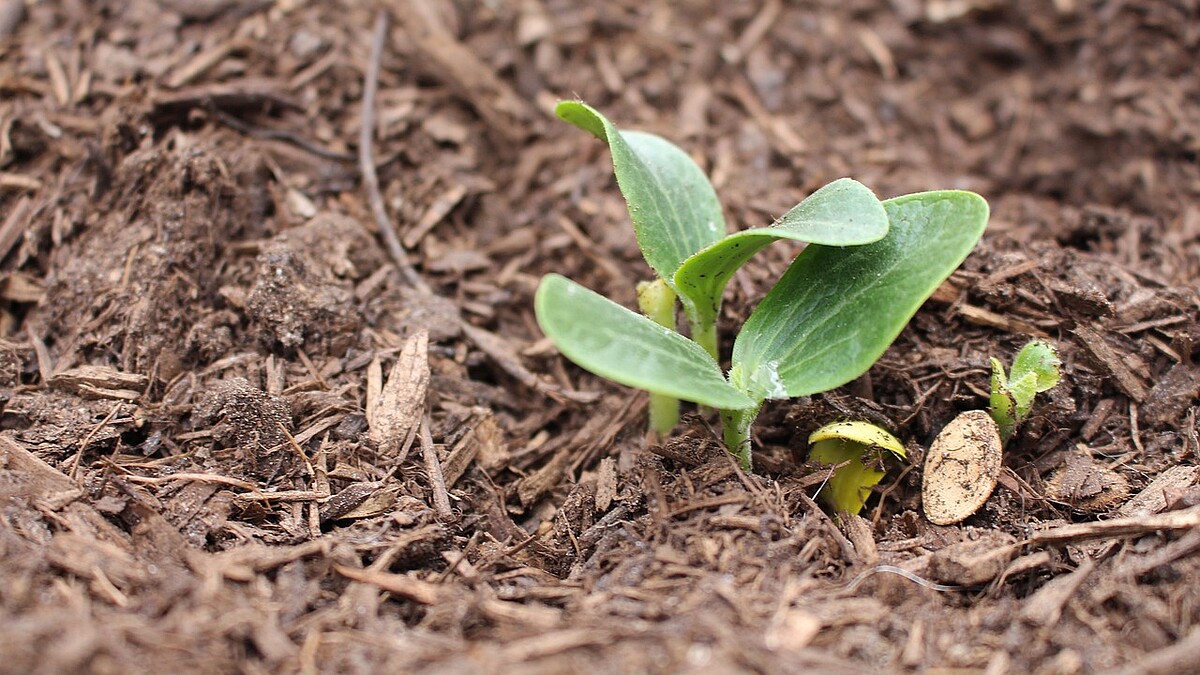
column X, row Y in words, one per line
column 199, row 322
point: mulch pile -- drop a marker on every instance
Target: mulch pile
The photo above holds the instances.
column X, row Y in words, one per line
column 248, row 426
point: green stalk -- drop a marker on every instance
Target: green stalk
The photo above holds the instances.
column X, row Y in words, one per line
column 735, row 427
column 705, row 335
column 657, row 301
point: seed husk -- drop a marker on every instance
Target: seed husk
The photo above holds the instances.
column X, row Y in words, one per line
column 961, row 468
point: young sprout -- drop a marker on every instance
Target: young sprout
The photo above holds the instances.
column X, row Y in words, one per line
column 858, row 450
column 867, row 267
column 1034, row 371
column 680, row 229
column 965, row 460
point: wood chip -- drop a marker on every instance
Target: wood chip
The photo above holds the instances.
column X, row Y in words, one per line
column 378, row 503
column 975, row 562
column 961, row 468
column 20, row 287
column 100, row 382
column 437, row 211
column 483, row 436
column 45, row 481
column 17, row 181
column 450, row 60
column 1044, row 608
column 1098, row 347
column 792, row 630
column 858, row 530
column 12, row 13
column 1154, row 497
column 15, row 224
column 1085, row 484
column 401, row 585
column 402, row 400
column 347, row 500
column 1172, row 394
column 1176, row 658
column 1184, row 519
column 606, row 484
column 535, row 616
column 986, row 317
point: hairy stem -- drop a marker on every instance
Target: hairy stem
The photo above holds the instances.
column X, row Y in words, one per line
column 657, row 301
column 735, row 427
column 705, row 335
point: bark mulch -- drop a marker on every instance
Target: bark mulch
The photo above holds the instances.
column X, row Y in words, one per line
column 273, row 399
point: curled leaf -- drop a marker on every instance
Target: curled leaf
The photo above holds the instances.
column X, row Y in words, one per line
column 859, row 447
column 1002, row 405
column 1035, row 370
column 1041, row 360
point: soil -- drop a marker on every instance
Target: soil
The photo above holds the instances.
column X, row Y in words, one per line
column 243, row 432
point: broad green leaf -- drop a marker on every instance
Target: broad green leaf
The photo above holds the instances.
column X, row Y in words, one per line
column 1041, row 359
column 613, row 342
column 842, row 213
column 835, row 310
column 674, row 209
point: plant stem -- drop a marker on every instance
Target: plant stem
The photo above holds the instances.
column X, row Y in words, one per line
column 705, row 335
column 657, row 301
column 664, row 413
column 735, row 427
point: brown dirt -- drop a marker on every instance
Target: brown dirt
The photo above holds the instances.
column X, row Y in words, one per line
column 199, row 319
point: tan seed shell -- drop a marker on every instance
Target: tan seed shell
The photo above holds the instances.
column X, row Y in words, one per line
column 961, row 468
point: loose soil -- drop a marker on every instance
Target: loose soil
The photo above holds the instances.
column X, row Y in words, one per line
column 240, row 434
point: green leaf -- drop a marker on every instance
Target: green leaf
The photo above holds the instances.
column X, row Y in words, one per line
column 1040, row 359
column 836, row 310
column 1002, row 405
column 842, row 213
column 674, row 209
column 1023, row 389
column 613, row 342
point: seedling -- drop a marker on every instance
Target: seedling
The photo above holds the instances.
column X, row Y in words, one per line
column 858, row 450
column 1034, row 371
column 680, row 229
column 964, row 462
column 838, row 306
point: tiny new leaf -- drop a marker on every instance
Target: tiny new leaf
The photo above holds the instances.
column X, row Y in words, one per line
column 1002, row 404
column 1035, row 370
column 1040, row 359
column 836, row 310
column 628, row 348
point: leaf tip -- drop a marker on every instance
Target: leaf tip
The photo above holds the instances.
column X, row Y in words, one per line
column 584, row 116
